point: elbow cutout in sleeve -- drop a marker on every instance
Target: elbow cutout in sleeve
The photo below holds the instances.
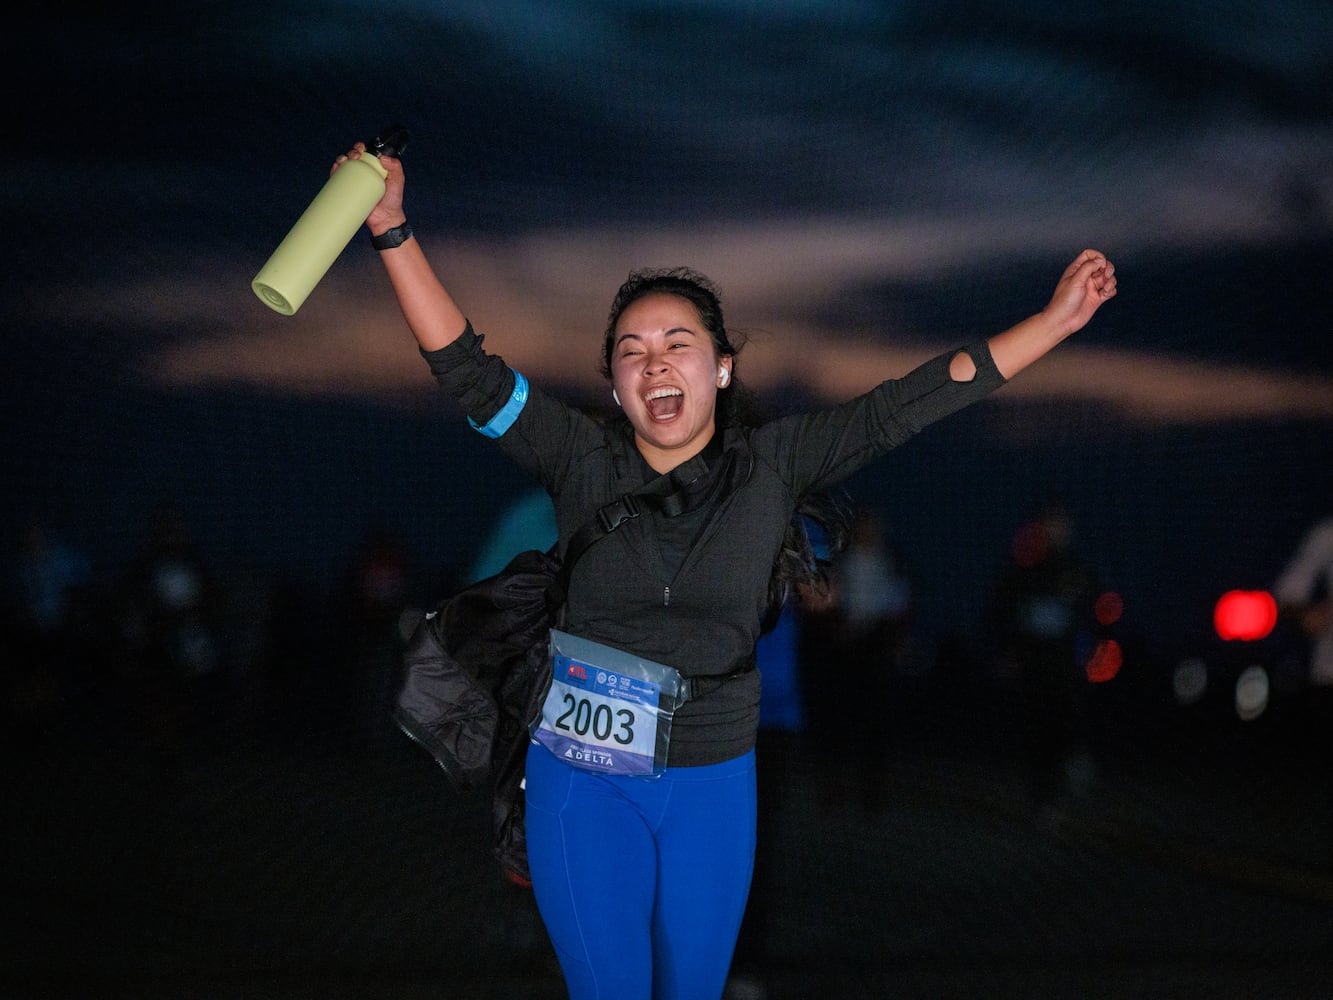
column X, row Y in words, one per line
column 962, row 368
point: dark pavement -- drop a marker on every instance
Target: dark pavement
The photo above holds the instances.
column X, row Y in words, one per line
column 323, row 855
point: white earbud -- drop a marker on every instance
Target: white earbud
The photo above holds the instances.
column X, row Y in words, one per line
column 723, row 377
column 615, row 397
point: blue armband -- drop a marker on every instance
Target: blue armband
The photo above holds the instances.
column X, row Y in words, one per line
column 503, row 420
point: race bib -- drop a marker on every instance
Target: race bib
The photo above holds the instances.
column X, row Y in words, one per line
column 607, row 710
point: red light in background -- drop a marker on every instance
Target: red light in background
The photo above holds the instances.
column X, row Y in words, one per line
column 1247, row 615
column 1105, row 661
column 1109, row 607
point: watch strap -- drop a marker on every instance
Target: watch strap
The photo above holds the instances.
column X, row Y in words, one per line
column 391, row 238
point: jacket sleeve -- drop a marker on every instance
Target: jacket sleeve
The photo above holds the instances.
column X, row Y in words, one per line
column 537, row 432
column 817, row 450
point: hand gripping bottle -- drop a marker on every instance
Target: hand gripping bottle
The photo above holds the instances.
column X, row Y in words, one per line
column 327, row 226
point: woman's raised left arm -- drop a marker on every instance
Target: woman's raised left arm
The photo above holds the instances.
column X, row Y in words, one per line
column 1086, row 284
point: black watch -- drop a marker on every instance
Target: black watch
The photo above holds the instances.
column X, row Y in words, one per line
column 391, row 238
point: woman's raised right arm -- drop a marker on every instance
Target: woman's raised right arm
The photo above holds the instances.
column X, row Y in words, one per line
column 431, row 313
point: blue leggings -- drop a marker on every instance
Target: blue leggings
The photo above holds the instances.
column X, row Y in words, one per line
column 641, row 882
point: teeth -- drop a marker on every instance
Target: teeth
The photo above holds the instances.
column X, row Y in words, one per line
column 662, row 392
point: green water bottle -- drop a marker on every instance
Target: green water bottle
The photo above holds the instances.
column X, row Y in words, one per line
column 327, row 225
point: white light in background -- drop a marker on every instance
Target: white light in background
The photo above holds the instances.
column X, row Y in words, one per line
column 1189, row 682
column 1251, row 693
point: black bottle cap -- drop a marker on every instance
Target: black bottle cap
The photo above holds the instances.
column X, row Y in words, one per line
column 391, row 141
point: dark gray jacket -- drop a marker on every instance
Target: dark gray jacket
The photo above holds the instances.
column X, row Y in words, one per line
column 692, row 590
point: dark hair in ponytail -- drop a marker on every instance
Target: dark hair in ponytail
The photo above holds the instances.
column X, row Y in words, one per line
column 815, row 535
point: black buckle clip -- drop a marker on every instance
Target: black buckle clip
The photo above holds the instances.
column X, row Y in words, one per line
column 617, row 512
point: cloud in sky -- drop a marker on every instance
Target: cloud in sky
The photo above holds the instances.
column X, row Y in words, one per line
column 536, row 110
column 800, row 153
column 542, row 301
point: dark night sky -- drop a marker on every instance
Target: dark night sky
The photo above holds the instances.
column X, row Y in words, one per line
column 869, row 183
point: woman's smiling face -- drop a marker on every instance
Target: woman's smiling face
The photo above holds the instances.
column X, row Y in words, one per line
column 666, row 373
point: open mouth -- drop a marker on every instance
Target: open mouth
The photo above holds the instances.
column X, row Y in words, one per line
column 664, row 403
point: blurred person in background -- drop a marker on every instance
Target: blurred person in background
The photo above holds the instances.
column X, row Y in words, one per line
column 868, row 627
column 48, row 668
column 1046, row 620
column 170, row 620
column 357, row 688
column 528, row 522
column 782, row 746
column 1304, row 593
